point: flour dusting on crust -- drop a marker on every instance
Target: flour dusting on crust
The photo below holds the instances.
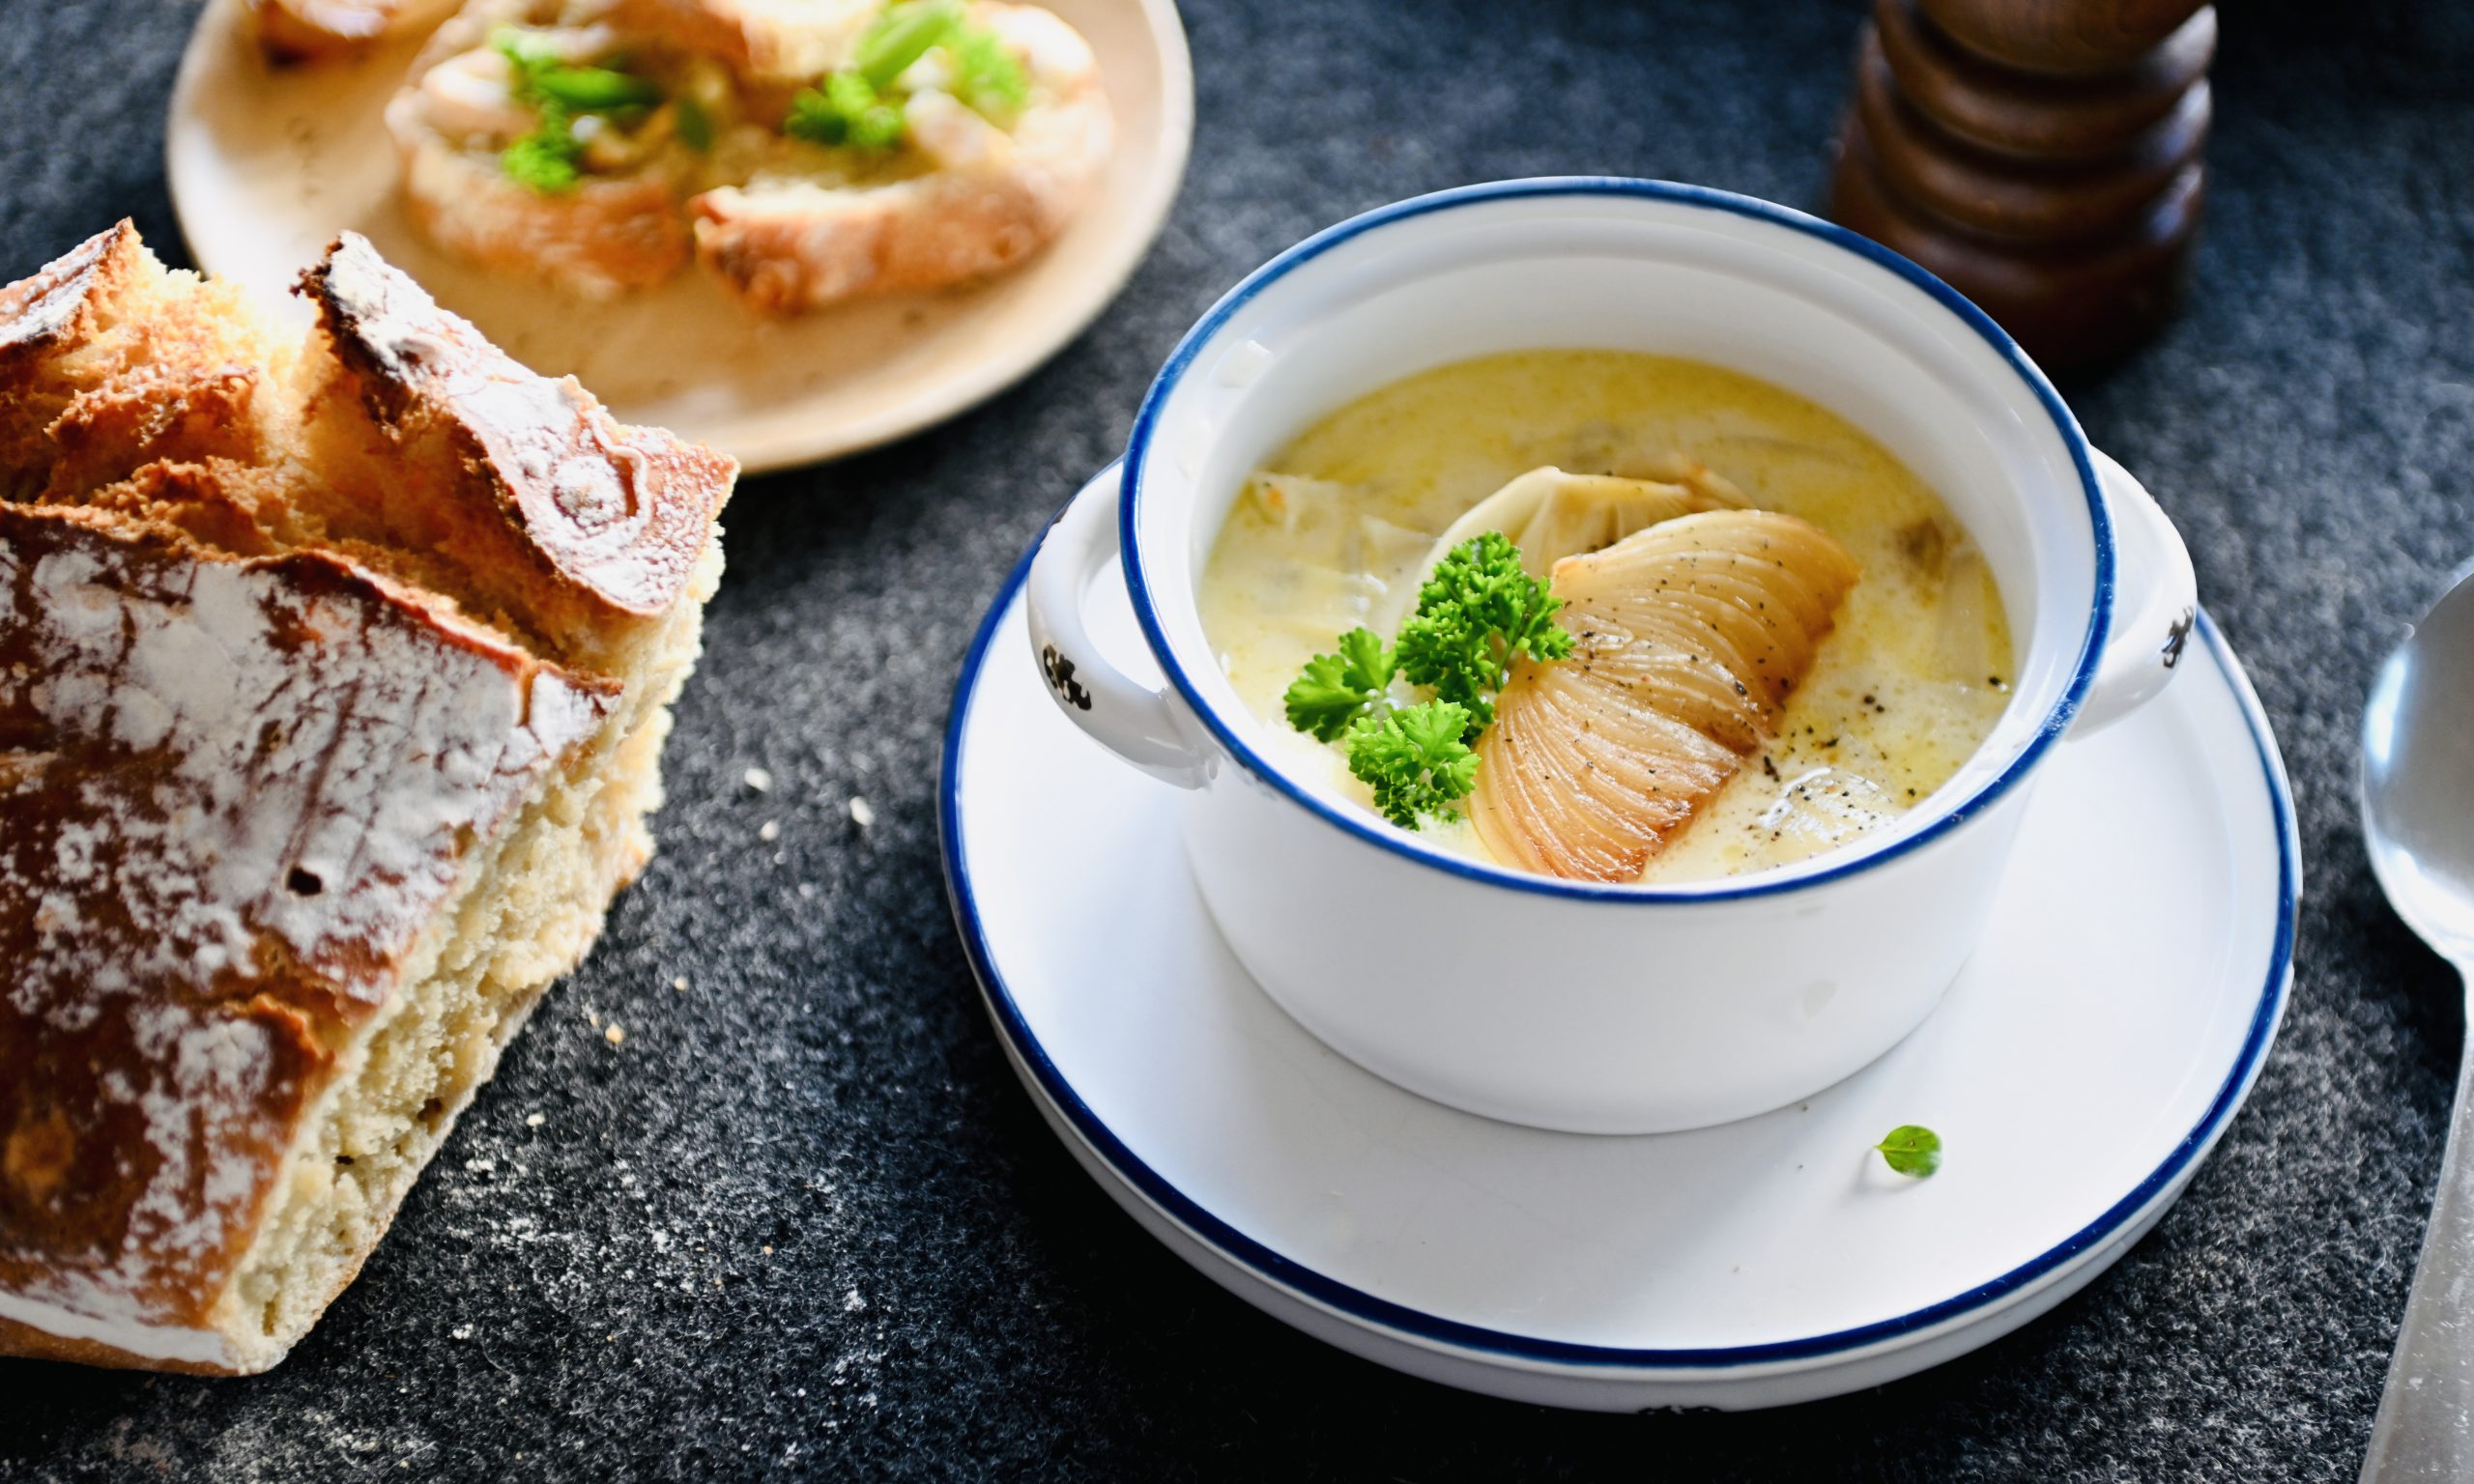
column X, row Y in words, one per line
column 36, row 309
column 231, row 793
column 621, row 511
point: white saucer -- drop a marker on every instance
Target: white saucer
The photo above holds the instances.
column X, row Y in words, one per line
column 268, row 163
column 2082, row 1067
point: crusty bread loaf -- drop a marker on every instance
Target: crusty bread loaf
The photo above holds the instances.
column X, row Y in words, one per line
column 785, row 225
column 333, row 676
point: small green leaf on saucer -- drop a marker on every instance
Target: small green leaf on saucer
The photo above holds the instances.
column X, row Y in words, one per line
column 1911, row 1149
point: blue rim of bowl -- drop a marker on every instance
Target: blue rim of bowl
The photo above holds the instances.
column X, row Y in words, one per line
column 1373, row 831
column 1368, row 1311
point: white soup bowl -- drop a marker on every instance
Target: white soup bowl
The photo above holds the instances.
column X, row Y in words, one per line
column 1565, row 1005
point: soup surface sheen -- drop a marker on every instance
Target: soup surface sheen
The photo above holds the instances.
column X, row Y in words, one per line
column 1336, row 533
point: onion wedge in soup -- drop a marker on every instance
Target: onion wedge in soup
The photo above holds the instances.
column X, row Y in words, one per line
column 1688, row 637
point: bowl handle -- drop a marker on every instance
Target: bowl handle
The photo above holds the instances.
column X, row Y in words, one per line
column 1128, row 718
column 2155, row 604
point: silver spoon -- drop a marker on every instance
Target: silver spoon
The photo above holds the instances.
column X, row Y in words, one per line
column 2418, row 819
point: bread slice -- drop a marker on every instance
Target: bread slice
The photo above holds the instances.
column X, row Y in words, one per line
column 786, row 225
column 618, row 230
column 333, row 678
column 804, row 235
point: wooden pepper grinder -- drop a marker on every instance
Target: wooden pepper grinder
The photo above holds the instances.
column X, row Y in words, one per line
column 2042, row 155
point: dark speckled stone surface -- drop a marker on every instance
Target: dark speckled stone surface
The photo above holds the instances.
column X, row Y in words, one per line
column 945, row 1294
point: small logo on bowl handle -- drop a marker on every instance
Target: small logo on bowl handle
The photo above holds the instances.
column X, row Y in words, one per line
column 2178, row 636
column 1060, row 678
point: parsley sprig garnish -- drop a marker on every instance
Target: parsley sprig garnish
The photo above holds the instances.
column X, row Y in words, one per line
column 1477, row 614
column 1416, row 758
column 857, row 107
column 1335, row 688
column 550, row 160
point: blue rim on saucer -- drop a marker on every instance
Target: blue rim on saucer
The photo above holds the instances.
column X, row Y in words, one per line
column 1365, row 1307
column 1365, row 826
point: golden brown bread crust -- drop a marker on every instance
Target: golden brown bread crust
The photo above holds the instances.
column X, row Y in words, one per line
column 607, row 237
column 54, row 304
column 616, row 515
column 93, row 384
column 787, row 250
column 244, row 761
column 230, row 800
column 25, row 1342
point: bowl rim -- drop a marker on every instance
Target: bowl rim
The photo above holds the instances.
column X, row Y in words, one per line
column 1770, row 882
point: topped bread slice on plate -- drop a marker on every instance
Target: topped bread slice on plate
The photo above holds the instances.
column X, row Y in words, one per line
column 333, row 678
column 806, row 152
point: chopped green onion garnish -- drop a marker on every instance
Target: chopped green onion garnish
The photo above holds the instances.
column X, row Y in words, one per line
column 695, row 125
column 903, row 36
column 594, row 89
column 548, row 159
column 846, row 110
column 988, row 76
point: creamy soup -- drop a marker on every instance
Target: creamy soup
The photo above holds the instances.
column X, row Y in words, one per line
column 1337, row 531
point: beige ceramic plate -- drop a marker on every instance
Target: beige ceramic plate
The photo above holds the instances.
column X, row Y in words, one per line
column 267, row 164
